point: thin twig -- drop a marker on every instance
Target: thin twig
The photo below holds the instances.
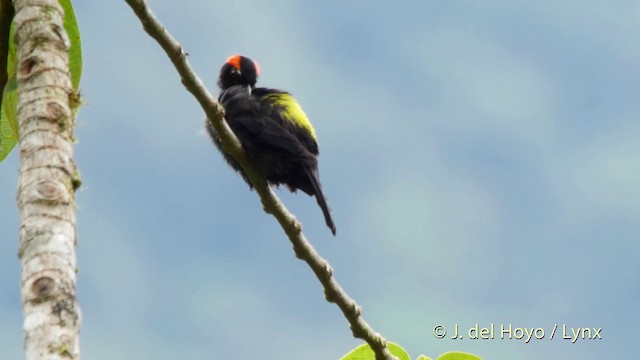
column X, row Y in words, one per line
column 271, row 203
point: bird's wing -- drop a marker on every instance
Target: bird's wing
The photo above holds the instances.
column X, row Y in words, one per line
column 285, row 110
column 269, row 133
column 249, row 119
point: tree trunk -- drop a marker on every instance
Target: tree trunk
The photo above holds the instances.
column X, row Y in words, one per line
column 47, row 182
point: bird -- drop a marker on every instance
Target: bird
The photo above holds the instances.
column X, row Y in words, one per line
column 274, row 131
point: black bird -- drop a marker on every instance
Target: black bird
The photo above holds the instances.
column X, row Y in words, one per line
column 273, row 130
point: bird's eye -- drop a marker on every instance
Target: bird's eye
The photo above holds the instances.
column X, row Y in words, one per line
column 235, row 71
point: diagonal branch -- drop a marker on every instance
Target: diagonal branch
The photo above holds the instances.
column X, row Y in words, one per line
column 271, row 203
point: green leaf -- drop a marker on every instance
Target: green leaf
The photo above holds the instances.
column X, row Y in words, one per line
column 364, row 352
column 456, row 355
column 422, row 357
column 10, row 104
column 8, row 119
column 75, row 50
column 8, row 140
column 11, row 58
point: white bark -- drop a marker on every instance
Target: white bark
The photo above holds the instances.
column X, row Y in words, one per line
column 47, row 182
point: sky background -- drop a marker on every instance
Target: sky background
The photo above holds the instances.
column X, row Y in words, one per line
column 482, row 162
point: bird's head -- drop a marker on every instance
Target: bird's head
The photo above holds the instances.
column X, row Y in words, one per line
column 238, row 70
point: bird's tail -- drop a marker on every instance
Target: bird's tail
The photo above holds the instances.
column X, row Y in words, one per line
column 322, row 202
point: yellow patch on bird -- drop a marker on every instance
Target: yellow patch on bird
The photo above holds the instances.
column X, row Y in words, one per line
column 292, row 111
